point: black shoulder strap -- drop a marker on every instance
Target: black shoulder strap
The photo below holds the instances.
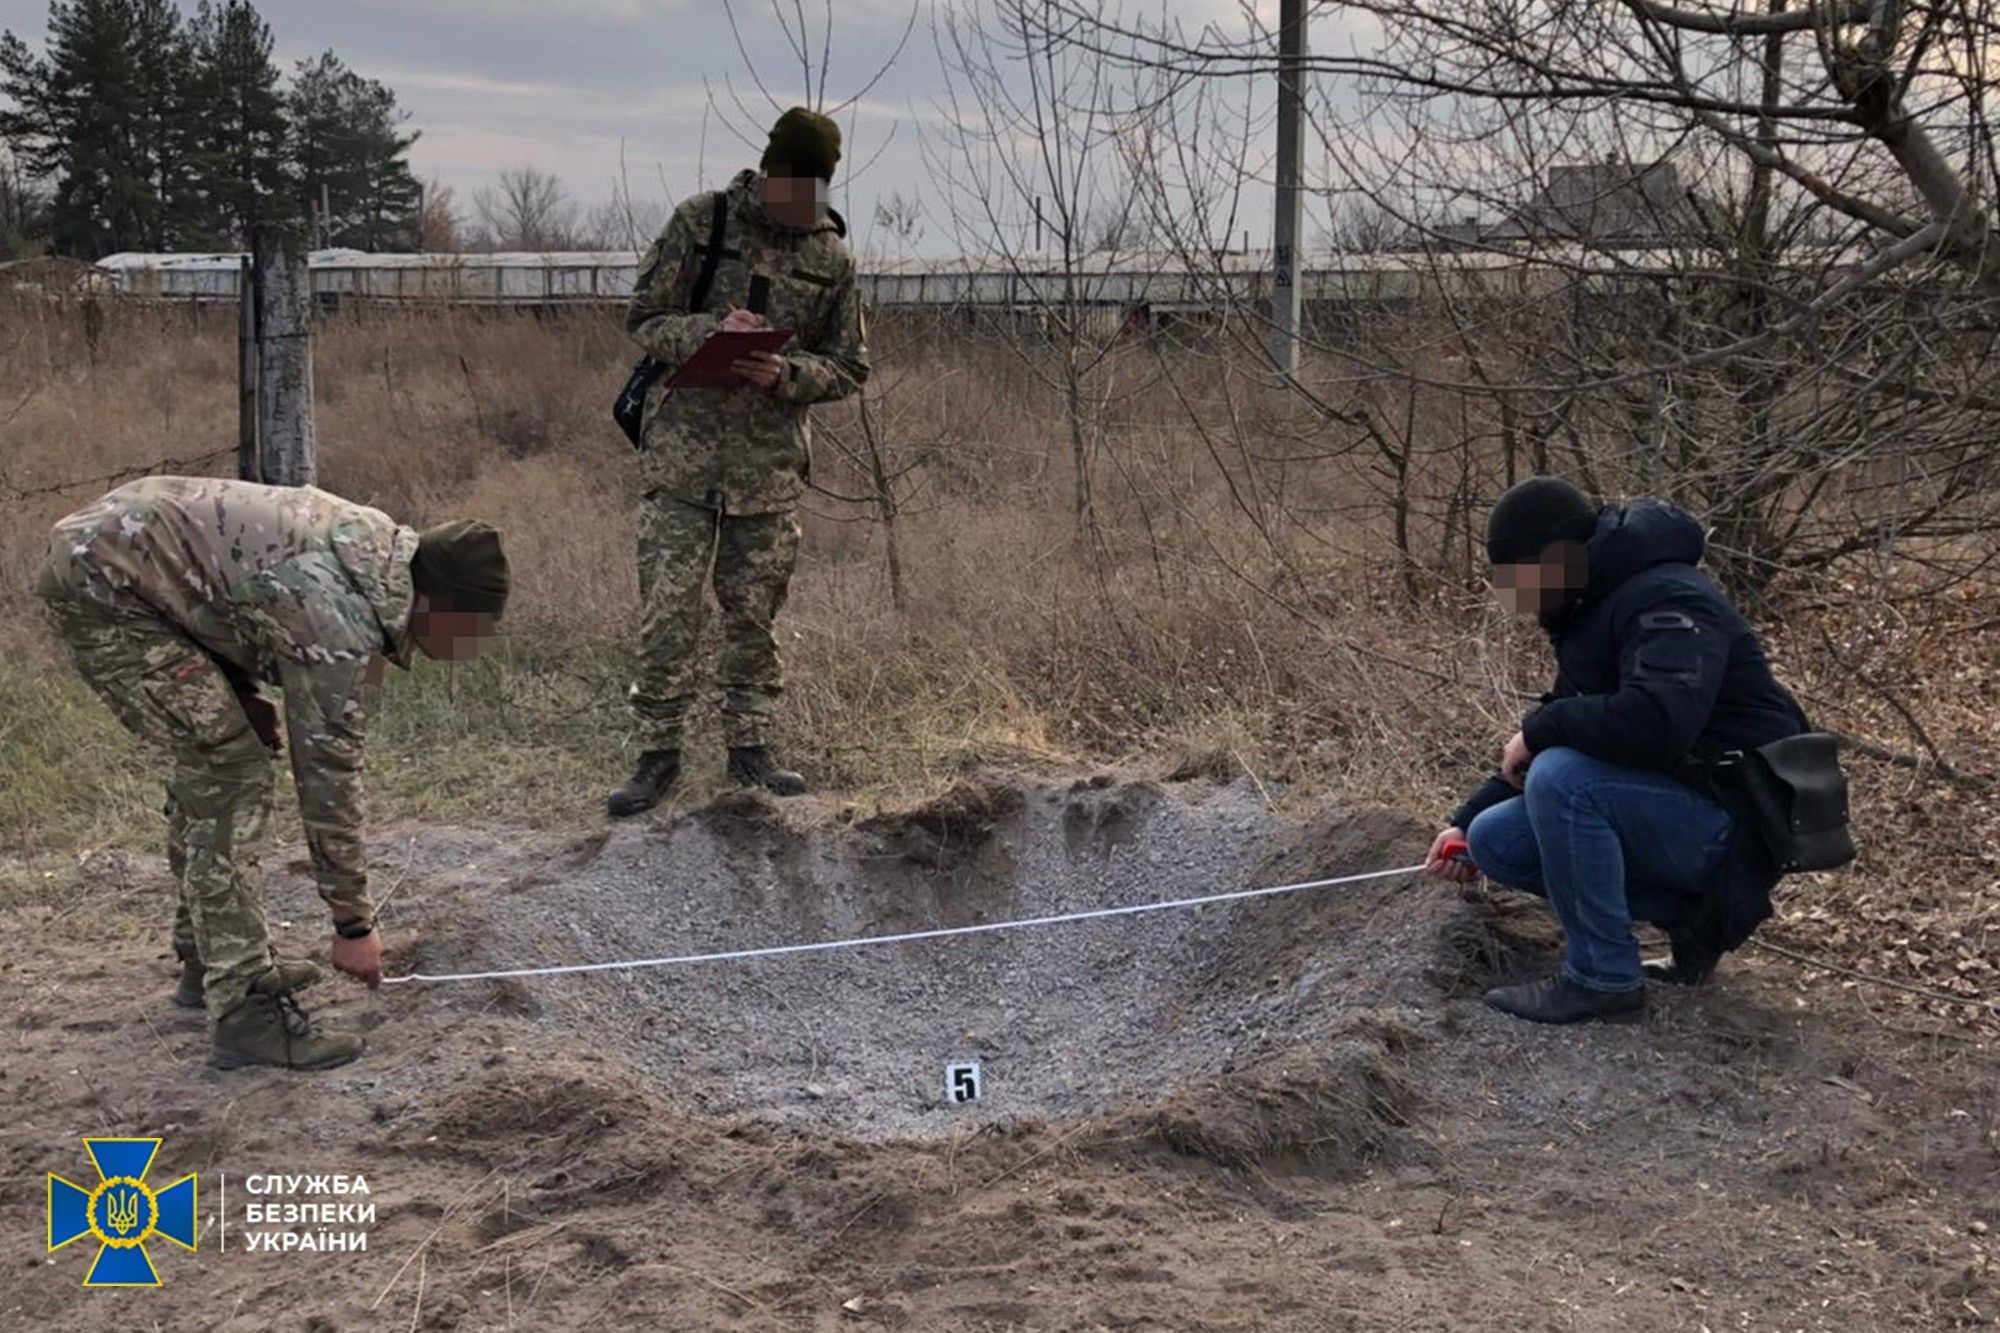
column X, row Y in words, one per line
column 717, row 227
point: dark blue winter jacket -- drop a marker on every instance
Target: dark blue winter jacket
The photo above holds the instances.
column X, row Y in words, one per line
column 1656, row 669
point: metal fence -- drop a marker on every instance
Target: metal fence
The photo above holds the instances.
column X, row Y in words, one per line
column 1162, row 283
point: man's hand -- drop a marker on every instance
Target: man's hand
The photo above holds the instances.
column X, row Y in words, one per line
column 743, row 321
column 762, row 370
column 360, row 959
column 1514, row 761
column 1458, row 869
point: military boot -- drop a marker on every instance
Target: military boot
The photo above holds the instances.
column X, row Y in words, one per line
column 655, row 776
column 752, row 766
column 296, row 973
column 187, row 995
column 269, row 1028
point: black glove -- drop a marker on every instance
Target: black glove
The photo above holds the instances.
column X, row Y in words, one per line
column 263, row 715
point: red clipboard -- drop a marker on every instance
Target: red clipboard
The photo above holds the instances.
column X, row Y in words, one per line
column 709, row 367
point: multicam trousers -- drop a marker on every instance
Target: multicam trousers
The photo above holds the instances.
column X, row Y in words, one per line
column 170, row 694
column 750, row 559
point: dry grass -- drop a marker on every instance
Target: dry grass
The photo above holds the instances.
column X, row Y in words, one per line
column 1225, row 613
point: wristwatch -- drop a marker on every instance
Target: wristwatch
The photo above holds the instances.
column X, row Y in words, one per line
column 354, row 930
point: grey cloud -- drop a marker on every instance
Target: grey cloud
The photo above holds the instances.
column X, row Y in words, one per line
column 590, row 88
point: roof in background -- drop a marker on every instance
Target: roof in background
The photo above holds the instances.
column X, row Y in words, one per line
column 1570, row 254
column 1603, row 201
column 189, row 263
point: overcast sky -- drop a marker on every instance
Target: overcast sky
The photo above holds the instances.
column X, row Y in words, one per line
column 587, row 88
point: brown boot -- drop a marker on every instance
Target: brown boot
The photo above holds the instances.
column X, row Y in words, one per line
column 269, row 1028
column 296, row 973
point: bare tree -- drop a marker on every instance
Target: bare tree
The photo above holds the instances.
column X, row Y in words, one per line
column 625, row 221
column 23, row 206
column 1036, row 184
column 1742, row 257
column 1885, row 84
column 1358, row 225
column 901, row 216
column 527, row 209
column 440, row 226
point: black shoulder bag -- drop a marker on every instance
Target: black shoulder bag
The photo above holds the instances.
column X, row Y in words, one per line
column 1795, row 790
column 629, row 411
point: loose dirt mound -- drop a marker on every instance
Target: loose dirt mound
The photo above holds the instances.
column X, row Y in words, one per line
column 1286, row 1114
column 1121, row 1017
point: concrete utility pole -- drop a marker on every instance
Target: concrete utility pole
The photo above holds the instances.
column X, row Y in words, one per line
column 284, row 358
column 1285, row 225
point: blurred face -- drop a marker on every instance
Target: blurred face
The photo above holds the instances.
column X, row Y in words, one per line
column 795, row 201
column 1534, row 587
column 445, row 635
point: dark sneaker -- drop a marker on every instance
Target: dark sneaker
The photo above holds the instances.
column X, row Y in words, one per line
column 1560, row 1000
column 655, row 776
column 293, row 973
column 1693, row 964
column 752, row 766
column 269, row 1028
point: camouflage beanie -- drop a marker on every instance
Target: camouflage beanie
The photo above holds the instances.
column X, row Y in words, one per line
column 803, row 143
column 462, row 566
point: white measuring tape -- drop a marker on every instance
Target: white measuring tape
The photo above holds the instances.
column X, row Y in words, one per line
column 908, row 937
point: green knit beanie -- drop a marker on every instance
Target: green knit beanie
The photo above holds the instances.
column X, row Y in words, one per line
column 803, row 143
column 461, row 566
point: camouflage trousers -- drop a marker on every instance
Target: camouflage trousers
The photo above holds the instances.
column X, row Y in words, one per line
column 749, row 559
column 170, row 694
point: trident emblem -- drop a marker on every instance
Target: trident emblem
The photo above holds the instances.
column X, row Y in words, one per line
column 122, row 1210
column 121, row 1213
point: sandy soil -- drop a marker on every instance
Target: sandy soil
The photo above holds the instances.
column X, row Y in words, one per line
column 1311, row 1124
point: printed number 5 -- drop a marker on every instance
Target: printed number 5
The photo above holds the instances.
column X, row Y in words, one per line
column 962, row 1083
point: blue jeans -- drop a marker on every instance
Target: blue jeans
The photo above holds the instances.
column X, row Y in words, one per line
column 1604, row 844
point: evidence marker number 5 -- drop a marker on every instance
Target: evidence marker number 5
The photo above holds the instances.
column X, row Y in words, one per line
column 964, row 1082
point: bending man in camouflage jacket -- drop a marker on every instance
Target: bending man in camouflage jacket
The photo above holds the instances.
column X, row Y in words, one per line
column 724, row 468
column 177, row 597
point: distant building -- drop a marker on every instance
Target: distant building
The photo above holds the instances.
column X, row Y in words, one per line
column 1609, row 205
column 1618, row 205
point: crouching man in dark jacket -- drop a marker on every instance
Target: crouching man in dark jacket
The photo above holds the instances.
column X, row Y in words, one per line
column 1602, row 803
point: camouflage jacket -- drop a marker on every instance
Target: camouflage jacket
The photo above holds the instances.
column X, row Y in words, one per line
column 291, row 585
column 743, row 450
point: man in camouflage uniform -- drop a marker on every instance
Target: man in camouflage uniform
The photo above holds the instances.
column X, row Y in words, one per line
column 724, row 468
column 177, row 597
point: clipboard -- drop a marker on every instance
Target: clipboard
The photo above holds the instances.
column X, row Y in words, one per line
column 709, row 367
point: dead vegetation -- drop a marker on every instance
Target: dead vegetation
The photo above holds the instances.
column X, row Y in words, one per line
column 1236, row 600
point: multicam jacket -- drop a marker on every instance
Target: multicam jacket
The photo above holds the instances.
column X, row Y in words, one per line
column 288, row 585
column 745, row 451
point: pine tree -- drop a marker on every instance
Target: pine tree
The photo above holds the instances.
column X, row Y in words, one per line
column 165, row 120
column 350, row 157
column 104, row 111
column 23, row 209
column 316, row 145
column 161, row 134
column 240, row 132
column 389, row 204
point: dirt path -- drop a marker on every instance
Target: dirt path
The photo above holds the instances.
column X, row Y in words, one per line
column 1361, row 1146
